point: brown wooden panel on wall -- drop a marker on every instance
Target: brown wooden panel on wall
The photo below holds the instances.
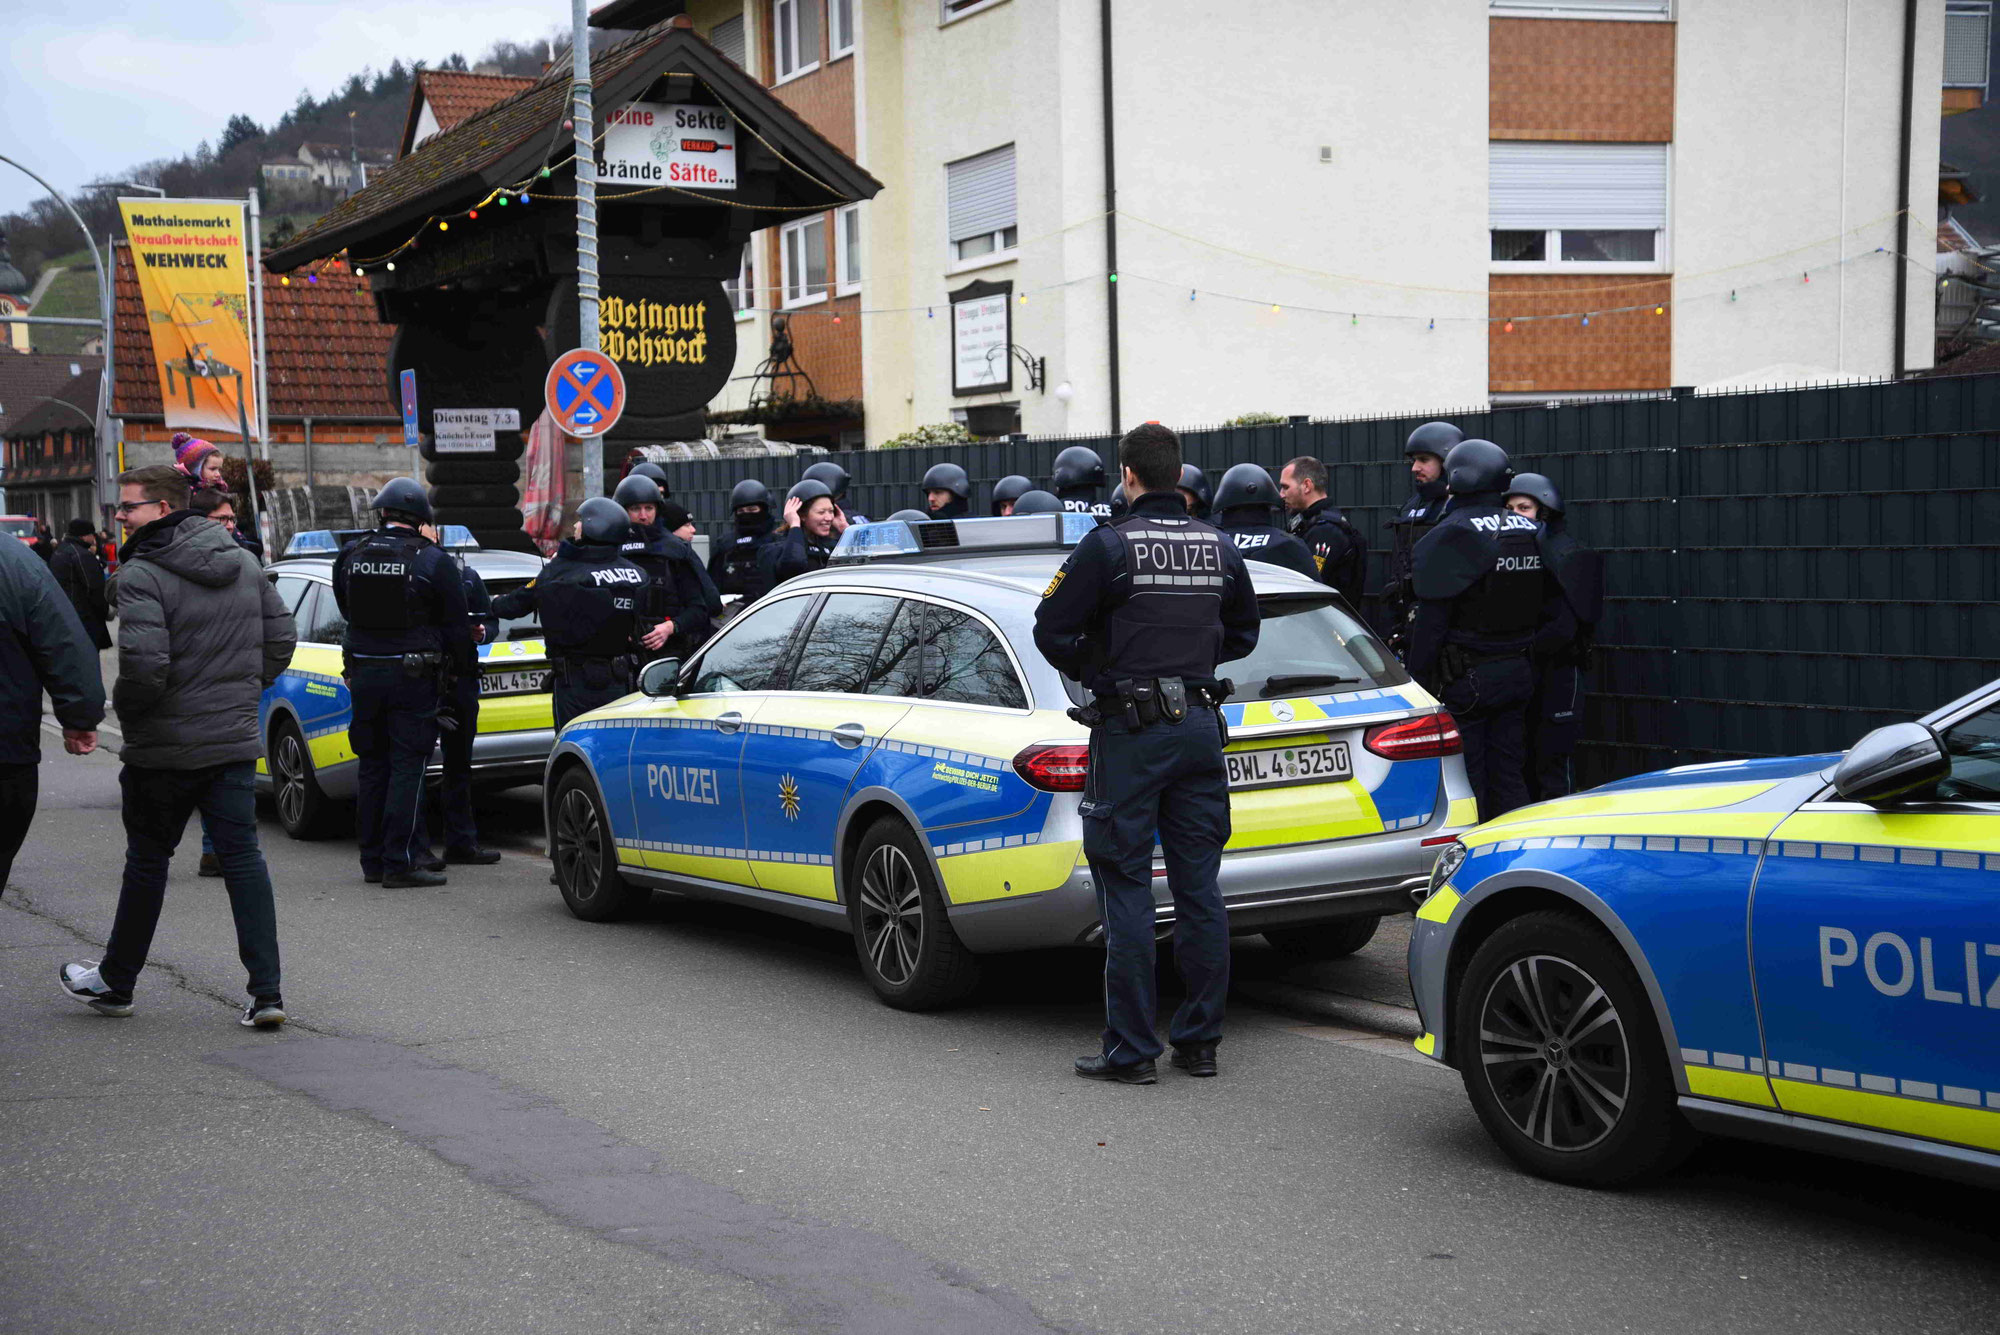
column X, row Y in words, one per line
column 1626, row 350
column 1581, row 79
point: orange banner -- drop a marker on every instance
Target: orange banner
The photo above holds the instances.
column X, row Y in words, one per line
column 194, row 274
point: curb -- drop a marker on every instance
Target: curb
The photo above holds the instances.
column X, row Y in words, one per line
column 1337, row 1007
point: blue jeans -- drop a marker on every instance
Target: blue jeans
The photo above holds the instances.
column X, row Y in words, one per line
column 156, row 807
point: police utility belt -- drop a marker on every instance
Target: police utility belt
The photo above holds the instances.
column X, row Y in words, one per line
column 1141, row 702
column 599, row 670
column 425, row 664
column 1455, row 660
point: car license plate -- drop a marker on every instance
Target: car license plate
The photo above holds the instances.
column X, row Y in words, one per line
column 1321, row 762
column 518, row 681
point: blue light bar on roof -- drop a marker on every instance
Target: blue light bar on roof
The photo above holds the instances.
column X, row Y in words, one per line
column 328, row 542
column 312, row 542
column 457, row 535
column 872, row 542
column 890, row 538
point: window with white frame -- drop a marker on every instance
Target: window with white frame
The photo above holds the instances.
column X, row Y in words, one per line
column 1967, row 40
column 727, row 37
column 802, row 255
column 958, row 9
column 742, row 289
column 847, row 250
column 979, row 204
column 1581, row 9
column 839, row 28
column 794, row 37
column 1571, row 206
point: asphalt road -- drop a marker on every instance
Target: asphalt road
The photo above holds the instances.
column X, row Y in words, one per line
column 490, row 1116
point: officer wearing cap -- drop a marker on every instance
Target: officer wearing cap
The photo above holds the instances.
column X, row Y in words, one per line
column 588, row 597
column 1247, row 507
column 458, row 724
column 1562, row 649
column 733, row 564
column 1038, row 502
column 1142, row 613
column 1195, row 491
column 1338, row 552
column 947, row 491
column 406, row 624
column 813, row 524
column 836, row 479
column 700, row 601
column 1008, row 490
column 675, row 613
column 1077, row 479
column 1484, row 589
column 1425, row 449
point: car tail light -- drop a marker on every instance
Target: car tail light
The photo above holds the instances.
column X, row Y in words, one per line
column 1425, row 737
column 1055, row 768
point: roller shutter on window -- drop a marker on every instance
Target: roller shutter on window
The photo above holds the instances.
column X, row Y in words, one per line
column 1532, row 186
column 1595, row 8
column 979, row 194
column 727, row 37
column 1967, row 30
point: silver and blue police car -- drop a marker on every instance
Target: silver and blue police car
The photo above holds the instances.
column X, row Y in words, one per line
column 878, row 746
column 308, row 767
column 1801, row 950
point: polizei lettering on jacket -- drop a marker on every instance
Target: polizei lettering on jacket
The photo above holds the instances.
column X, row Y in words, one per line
column 1502, row 523
column 1183, row 557
column 618, row 575
column 396, row 568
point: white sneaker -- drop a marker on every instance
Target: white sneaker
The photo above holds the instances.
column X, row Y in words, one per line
column 81, row 982
column 263, row 1013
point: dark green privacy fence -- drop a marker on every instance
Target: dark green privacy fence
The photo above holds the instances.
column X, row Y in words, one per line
column 1786, row 569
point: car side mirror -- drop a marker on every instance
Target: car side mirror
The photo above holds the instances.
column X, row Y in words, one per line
column 1890, row 762
column 660, row 677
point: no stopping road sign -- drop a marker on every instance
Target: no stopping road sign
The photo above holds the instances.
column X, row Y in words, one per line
column 585, row 392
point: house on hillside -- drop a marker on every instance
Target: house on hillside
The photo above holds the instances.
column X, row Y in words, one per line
column 334, row 166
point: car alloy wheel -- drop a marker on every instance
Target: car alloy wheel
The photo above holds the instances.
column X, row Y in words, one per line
column 1555, row 1053
column 579, row 844
column 288, row 762
column 586, row 859
column 892, row 915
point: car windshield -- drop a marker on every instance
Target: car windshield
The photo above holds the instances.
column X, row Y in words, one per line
column 1311, row 645
column 18, row 528
column 514, row 628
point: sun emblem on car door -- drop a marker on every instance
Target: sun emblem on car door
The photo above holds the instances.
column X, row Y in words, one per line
column 788, row 797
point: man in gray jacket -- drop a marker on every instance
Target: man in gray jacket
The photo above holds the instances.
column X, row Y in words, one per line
column 201, row 633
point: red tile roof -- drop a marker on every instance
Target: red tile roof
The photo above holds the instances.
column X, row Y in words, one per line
column 453, row 96
column 329, row 356
column 26, row 378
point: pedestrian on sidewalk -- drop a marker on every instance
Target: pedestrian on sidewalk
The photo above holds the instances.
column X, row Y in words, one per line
column 201, row 634
column 81, row 574
column 43, row 649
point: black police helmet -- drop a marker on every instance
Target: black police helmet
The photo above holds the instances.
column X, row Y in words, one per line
column 637, row 489
column 1433, row 438
column 1037, row 502
column 647, row 468
column 831, row 474
column 808, row 490
column 1196, row 481
column 404, row 495
column 1246, row 484
column 1538, row 489
column 1010, row 488
column 603, row 520
column 911, row 516
column 1475, row 466
column 1077, row 466
column 948, row 477
column 749, row 492
column 1121, row 505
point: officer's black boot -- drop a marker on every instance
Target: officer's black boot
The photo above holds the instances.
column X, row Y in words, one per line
column 416, row 878
column 1197, row 1059
column 1132, row 1073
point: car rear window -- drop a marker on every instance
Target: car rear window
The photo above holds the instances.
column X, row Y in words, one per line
column 1307, row 641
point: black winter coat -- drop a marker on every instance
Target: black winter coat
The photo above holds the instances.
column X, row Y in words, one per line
column 81, row 576
column 42, row 648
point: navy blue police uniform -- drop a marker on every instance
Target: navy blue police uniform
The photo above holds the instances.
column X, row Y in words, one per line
column 406, row 624
column 461, row 709
column 1562, row 648
column 733, row 565
column 1340, row 556
column 1484, row 590
column 588, row 598
column 677, row 588
column 1077, row 478
column 796, row 551
column 1142, row 614
column 1248, row 502
column 1419, row 515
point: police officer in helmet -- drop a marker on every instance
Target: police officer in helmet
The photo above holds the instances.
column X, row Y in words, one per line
column 947, row 491
column 1425, row 449
column 1038, row 502
column 1338, row 552
column 813, row 524
column 406, row 628
column 1142, row 614
column 836, row 479
column 458, row 725
column 588, row 597
column 1484, row 590
column 647, row 468
column 1562, row 649
column 676, row 612
column 1247, row 508
column 1077, row 479
column 733, row 564
column 1195, row 491
column 1008, row 490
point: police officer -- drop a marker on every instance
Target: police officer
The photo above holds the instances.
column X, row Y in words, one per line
column 813, row 524
column 836, row 479
column 406, row 622
column 1338, row 551
column 1077, row 479
column 700, row 601
column 458, row 724
column 947, row 491
column 588, row 597
column 1142, row 613
column 910, row 517
column 1247, row 506
column 675, row 612
column 733, row 564
column 1120, row 504
column 647, row 468
column 1484, row 589
column 1008, row 490
column 1425, row 449
column 1195, row 491
column 1038, row 502
column 1562, row 649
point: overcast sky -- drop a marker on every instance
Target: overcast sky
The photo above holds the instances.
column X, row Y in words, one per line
column 93, row 89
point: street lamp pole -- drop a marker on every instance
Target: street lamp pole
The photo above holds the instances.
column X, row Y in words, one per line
column 586, row 217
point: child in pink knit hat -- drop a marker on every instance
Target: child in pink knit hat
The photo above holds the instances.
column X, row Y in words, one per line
column 201, row 461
